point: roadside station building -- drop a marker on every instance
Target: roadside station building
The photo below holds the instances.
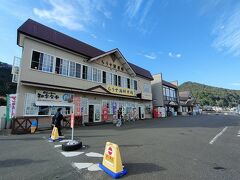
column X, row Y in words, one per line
column 59, row 71
column 188, row 103
column 165, row 95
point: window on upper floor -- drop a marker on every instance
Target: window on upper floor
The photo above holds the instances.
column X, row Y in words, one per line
column 62, row 66
column 94, row 74
column 119, row 81
column 109, row 78
column 78, row 70
column 41, row 61
column 104, row 77
column 84, row 72
column 89, row 73
column 147, row 88
column 99, row 75
column 135, row 85
column 128, row 83
column 72, row 69
column 115, row 80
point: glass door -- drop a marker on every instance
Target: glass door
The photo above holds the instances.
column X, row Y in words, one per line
column 97, row 113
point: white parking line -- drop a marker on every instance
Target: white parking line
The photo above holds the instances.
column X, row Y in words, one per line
column 93, row 154
column 238, row 133
column 219, row 134
column 71, row 154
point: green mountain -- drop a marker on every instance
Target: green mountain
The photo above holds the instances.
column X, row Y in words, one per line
column 6, row 85
column 212, row 96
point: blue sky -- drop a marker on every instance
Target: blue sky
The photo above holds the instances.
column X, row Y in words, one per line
column 186, row 40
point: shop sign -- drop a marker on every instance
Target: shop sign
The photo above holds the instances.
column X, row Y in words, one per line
column 12, row 105
column 120, row 90
column 105, row 113
column 43, row 95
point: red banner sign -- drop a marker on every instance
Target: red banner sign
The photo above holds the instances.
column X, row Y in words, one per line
column 105, row 113
column 76, row 100
column 72, row 120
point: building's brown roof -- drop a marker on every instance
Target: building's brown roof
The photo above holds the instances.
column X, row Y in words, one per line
column 41, row 32
column 140, row 71
column 166, row 83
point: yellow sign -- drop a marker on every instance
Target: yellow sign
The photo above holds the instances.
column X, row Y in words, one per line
column 54, row 135
column 112, row 162
column 120, row 90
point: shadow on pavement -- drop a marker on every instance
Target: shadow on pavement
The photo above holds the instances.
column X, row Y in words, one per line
column 18, row 162
column 140, row 168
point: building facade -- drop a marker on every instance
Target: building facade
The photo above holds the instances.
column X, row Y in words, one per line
column 165, row 94
column 188, row 103
column 59, row 71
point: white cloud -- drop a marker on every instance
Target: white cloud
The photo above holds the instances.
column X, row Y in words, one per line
column 111, row 40
column 227, row 32
column 133, row 7
column 150, row 55
column 136, row 12
column 209, row 5
column 174, row 55
column 235, row 84
column 93, row 36
column 74, row 15
column 145, row 11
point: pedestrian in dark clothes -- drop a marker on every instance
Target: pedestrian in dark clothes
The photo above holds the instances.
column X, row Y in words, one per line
column 56, row 121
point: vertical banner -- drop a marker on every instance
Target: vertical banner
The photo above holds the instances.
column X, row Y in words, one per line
column 12, row 102
column 72, row 120
column 76, row 101
column 7, row 109
column 105, row 113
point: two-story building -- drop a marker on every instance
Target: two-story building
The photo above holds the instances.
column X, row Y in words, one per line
column 57, row 70
column 165, row 94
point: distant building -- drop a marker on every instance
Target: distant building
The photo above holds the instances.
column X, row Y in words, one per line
column 165, row 94
column 187, row 102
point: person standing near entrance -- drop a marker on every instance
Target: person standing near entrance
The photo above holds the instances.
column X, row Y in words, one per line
column 119, row 119
column 58, row 117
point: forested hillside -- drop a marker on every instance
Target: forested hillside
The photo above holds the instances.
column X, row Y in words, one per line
column 213, row 96
column 6, row 85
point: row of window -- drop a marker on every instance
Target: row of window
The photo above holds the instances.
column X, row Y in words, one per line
column 47, row 63
column 169, row 92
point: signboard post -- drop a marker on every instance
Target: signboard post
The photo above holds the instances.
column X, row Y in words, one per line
column 72, row 123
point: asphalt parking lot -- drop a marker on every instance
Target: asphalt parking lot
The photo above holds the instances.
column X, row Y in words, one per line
column 193, row 147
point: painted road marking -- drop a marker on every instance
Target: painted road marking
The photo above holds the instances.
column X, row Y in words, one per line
column 93, row 154
column 88, row 166
column 57, row 146
column 238, row 133
column 71, row 154
column 94, row 167
column 65, row 140
column 219, row 134
column 81, row 165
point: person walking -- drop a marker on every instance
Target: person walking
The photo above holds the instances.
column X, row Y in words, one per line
column 57, row 118
column 119, row 116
